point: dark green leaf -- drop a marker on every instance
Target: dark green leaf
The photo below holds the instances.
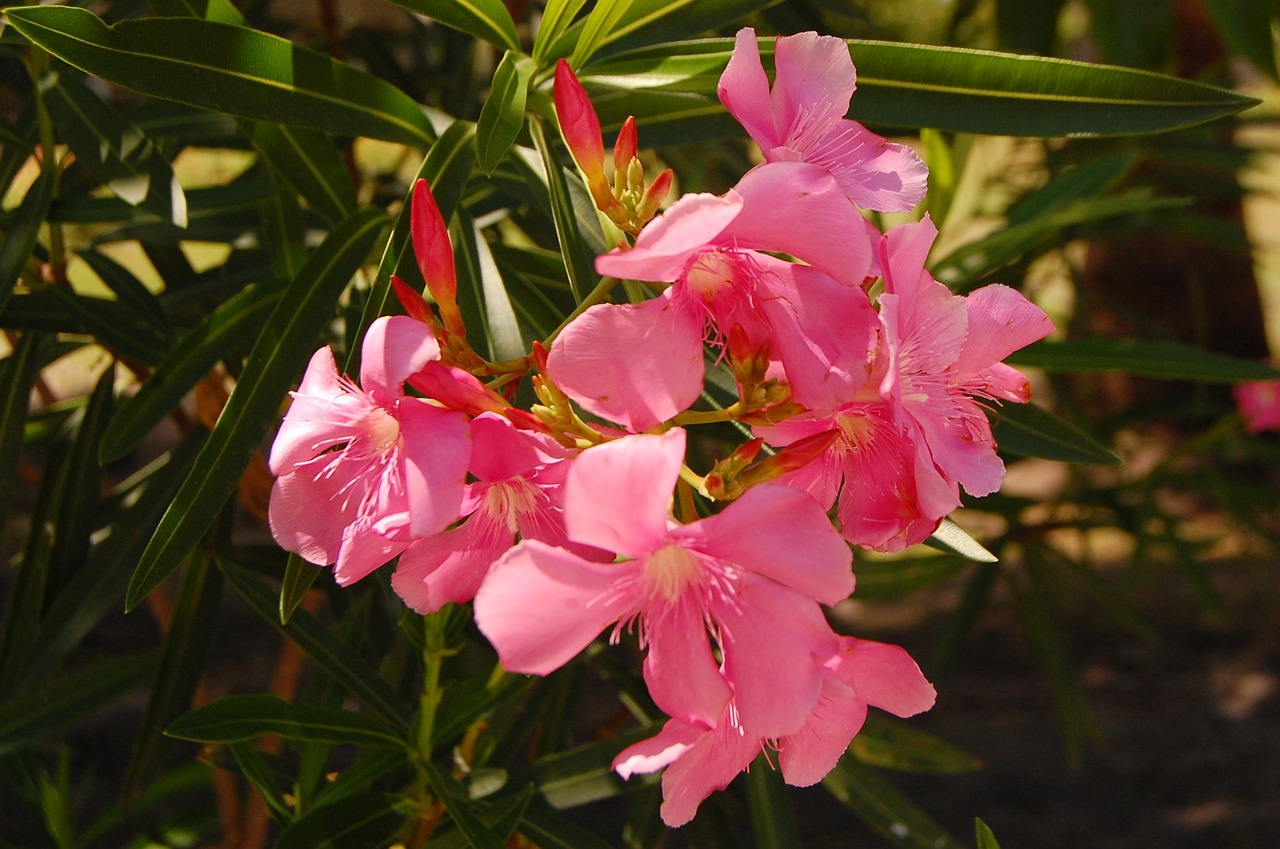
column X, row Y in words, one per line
column 485, row 19
column 773, row 816
column 503, row 816
column 503, row 113
column 585, row 773
column 309, row 162
column 550, row 831
column 1167, row 360
column 186, row 644
column 1246, row 27
column 483, row 298
column 579, row 263
column 369, row 819
column 264, row 782
column 285, row 343
column 898, row 577
column 49, row 709
column 227, row 69
column 1030, row 430
column 478, row 834
column 895, row 744
column 186, row 364
column 236, row 718
column 20, row 233
column 17, row 376
column 339, row 660
column 130, row 292
column 299, row 576
column 112, row 325
column 883, row 807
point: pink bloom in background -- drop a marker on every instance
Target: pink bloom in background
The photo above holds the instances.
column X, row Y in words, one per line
column 802, row 119
column 1259, row 404
column 363, row 470
column 517, row 490
column 750, row 573
column 700, row 759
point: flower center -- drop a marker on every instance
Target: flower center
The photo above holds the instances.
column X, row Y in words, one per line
column 670, row 570
column 381, row 428
column 711, row 274
column 506, row 502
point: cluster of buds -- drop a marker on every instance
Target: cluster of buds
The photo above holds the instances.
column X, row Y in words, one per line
column 629, row 203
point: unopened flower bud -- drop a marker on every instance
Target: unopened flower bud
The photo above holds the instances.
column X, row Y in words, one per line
column 654, row 195
column 798, row 454
column 578, row 123
column 624, row 150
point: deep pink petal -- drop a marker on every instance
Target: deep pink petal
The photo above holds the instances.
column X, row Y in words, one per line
column 656, row 752
column 744, row 90
column 815, row 79
column 451, row 565
column 435, row 451
column 668, row 241
column 1001, row 320
column 394, row 348
column 773, row 638
column 431, row 244
column 795, row 207
column 710, row 764
column 683, row 676
column 541, row 605
column 363, row 550
column 500, row 450
column 618, row 495
column 1000, row 381
column 806, row 756
column 958, row 440
column 782, row 534
column 884, row 676
column 1259, row 404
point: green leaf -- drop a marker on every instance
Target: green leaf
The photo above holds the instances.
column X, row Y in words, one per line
column 285, row 343
column 22, row 226
column 898, row 577
column 236, row 718
column 584, row 773
column 985, row 838
column 186, row 644
column 503, row 113
column 658, row 21
column 264, row 782
column 46, row 710
column 1167, row 360
column 556, row 18
column 478, row 834
column 947, row 88
column 368, row 819
column 299, row 576
column 17, row 377
column 1030, row 430
column 485, row 19
column 773, row 816
column 550, row 831
column 893, row 744
column 883, row 807
column 579, row 263
column 483, row 298
column 308, row 161
column 112, row 325
column 114, row 149
column 131, row 293
column 598, row 25
column 1245, row 25
column 188, row 361
column 339, row 660
column 950, row 537
column 227, row 69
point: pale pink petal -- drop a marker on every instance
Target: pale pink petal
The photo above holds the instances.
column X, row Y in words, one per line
column 800, row 209
column 1000, row 381
column 363, row 550
column 321, row 414
column 435, row 450
column 451, row 565
column 903, row 252
column 618, row 495
column 1001, row 320
column 772, row 639
column 815, row 79
column 394, row 348
column 541, row 605
column 884, row 676
column 874, row 172
column 661, row 750
column 668, row 241
column 296, row 502
column 806, row 756
column 710, row 764
column 957, row 437
column 744, row 90
column 634, row 364
column 783, row 534
column 680, row 670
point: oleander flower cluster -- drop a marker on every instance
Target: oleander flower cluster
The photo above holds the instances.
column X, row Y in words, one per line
column 865, row 384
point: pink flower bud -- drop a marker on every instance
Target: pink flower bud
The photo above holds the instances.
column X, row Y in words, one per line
column 578, row 123
column 414, row 304
column 433, row 250
column 654, row 195
column 625, row 149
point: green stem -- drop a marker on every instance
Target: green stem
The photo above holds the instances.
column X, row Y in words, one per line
column 433, row 655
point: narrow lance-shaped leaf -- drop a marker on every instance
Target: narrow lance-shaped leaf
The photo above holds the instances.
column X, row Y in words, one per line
column 21, row 233
column 309, row 162
column 114, row 149
column 948, row 88
column 1168, row 360
column 894, row 744
column 131, row 293
column 503, row 113
column 883, row 807
column 556, row 18
column 226, row 69
column 598, row 26
column 661, row 21
column 237, row 718
column 299, row 576
column 485, row 19
column 478, row 834
column 773, row 815
column 578, row 262
column 1032, row 431
column 367, row 819
column 283, row 346
column 17, row 376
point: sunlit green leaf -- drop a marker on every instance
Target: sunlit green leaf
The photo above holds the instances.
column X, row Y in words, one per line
column 578, row 260
column 503, row 113
column 984, row 836
column 485, row 19
column 952, row 538
column 597, row 27
column 556, row 18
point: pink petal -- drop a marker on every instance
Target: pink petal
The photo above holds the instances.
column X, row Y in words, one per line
column 884, row 676
column 668, row 241
column 661, row 750
column 502, row 451
column 431, row 244
column 815, row 79
column 322, row 414
column 903, row 252
column 618, row 495
column 806, row 756
column 874, row 172
column 394, row 348
column 1001, row 320
column 744, row 90
column 683, row 676
column 451, row 565
column 1259, row 404
column 782, row 534
column 435, row 450
column 709, row 765
column 540, row 605
column 634, row 364
column 795, row 207
column 304, row 518
column 363, row 550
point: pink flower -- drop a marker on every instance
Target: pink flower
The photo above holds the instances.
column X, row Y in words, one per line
column 1259, row 404
column 517, row 490
column 701, row 759
column 802, row 119
column 750, row 574
column 363, row 470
